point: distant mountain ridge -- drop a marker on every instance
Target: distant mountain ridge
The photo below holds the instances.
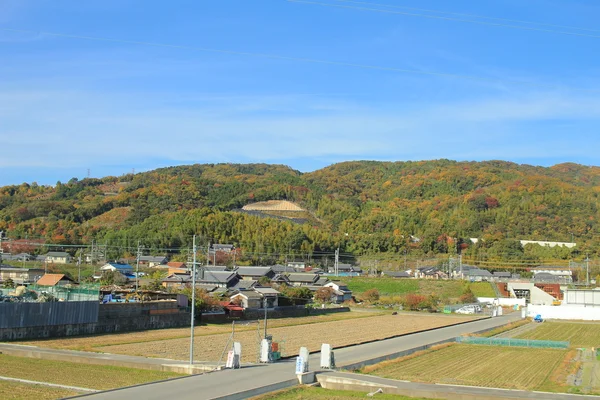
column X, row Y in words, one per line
column 365, row 207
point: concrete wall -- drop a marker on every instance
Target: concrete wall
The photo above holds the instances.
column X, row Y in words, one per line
column 588, row 297
column 565, row 312
column 277, row 312
column 502, row 301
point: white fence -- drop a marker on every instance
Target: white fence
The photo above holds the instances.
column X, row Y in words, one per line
column 583, row 297
column 502, row 301
column 571, row 312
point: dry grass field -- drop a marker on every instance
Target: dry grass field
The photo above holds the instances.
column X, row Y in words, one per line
column 23, row 391
column 77, row 374
column 94, row 343
column 580, row 334
column 490, row 366
column 316, row 393
column 209, row 347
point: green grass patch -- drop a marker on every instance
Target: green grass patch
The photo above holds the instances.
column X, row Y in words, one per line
column 578, row 334
column 385, row 286
column 488, row 366
column 302, row 393
column 483, row 289
column 445, row 290
column 25, row 391
column 75, row 374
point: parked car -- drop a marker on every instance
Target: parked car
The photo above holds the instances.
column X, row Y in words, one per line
column 469, row 309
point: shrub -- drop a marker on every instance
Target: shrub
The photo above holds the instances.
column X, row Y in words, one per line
column 371, row 295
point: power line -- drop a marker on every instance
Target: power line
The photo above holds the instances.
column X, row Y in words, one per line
column 471, row 15
column 441, row 17
column 306, row 60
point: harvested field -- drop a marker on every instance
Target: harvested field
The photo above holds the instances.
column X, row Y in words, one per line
column 24, row 391
column 580, row 334
column 77, row 374
column 490, row 366
column 337, row 333
column 93, row 343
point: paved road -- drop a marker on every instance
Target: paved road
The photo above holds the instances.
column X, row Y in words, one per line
column 234, row 384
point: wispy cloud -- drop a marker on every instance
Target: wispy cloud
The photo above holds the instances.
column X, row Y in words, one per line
column 79, row 129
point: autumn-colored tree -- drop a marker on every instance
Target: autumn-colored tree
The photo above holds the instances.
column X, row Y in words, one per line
column 371, row 295
column 324, row 294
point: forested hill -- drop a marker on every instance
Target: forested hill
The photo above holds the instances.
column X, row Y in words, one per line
column 365, row 207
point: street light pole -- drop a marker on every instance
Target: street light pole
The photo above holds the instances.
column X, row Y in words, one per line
column 194, row 249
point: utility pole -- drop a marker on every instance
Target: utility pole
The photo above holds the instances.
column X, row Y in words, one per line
column 79, row 267
column 265, row 306
column 194, row 249
column 1, row 251
column 208, row 254
column 587, row 269
column 336, row 265
column 137, row 266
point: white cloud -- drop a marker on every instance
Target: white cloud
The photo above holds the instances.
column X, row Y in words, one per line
column 76, row 129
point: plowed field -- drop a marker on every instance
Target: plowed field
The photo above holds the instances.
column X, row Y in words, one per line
column 337, row 333
column 490, row 366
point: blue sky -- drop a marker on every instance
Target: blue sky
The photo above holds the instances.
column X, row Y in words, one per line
column 69, row 104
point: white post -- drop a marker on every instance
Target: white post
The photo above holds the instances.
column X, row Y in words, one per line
column 193, row 303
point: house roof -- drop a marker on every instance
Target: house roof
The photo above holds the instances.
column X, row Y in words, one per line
column 215, row 268
column 179, row 278
column 52, row 279
column 397, row 274
column 265, row 290
column 501, row 274
column 253, row 271
column 322, row 280
column 218, row 276
column 248, row 295
column 283, row 268
column 158, row 259
column 57, row 254
column 480, row 272
column 218, row 246
column 176, row 264
column 117, row 267
column 207, row 287
column 303, row 277
column 244, row 285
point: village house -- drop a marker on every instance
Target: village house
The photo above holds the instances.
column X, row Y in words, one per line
column 269, row 295
column 248, row 299
column 55, row 280
column 255, row 273
column 430, row 273
column 479, row 275
column 345, row 270
column 222, row 279
column 58, row 257
column 20, row 276
column 122, row 268
column 341, row 292
column 153, row 261
column 177, row 280
column 302, row 279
